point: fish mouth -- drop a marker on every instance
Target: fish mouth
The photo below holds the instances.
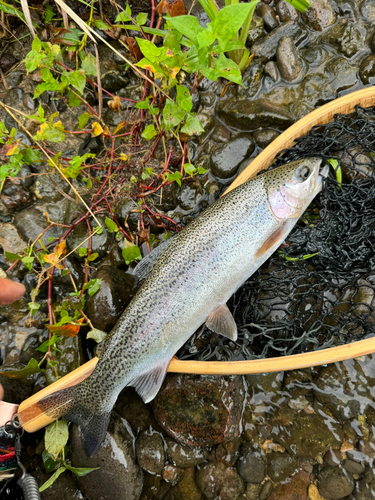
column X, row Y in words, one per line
column 324, row 172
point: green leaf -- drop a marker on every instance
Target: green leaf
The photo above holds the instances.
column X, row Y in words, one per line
column 172, row 114
column 48, row 461
column 28, row 262
column 89, row 65
column 33, row 59
column 75, row 78
column 123, row 17
column 189, row 168
column 192, row 126
column 47, row 343
column 93, row 286
column 83, row 119
column 49, row 132
column 36, row 45
column 148, row 49
column 101, row 25
column 48, row 14
column 97, row 335
column 40, row 118
column 201, row 170
column 56, row 437
column 175, row 177
column 52, row 479
column 92, row 257
column 206, row 37
column 33, row 307
column 183, row 98
column 130, row 252
column 74, row 168
column 188, row 26
column 73, row 100
column 149, row 132
column 301, row 5
column 30, row 155
column 3, row 129
column 12, row 256
column 70, row 37
column 230, row 19
column 81, row 471
column 31, row 368
column 142, row 105
column 141, row 18
column 111, row 225
column 82, row 252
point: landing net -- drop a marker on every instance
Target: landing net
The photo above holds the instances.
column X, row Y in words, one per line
column 295, row 306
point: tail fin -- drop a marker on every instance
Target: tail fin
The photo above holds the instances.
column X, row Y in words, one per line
column 70, row 403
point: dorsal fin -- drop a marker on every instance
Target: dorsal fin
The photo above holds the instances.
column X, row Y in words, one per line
column 148, row 384
column 220, row 320
column 143, row 269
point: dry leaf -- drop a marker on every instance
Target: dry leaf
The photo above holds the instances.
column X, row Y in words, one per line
column 172, row 7
column 97, row 129
column 68, row 330
column 60, row 249
column 115, row 104
column 10, row 149
column 53, row 259
column 134, row 49
column 120, row 126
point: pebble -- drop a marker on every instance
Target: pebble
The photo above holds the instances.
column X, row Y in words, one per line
column 286, row 11
column 149, row 449
column 280, row 466
column 10, row 238
column 107, row 304
column 266, row 490
column 198, row 410
column 226, row 160
column 367, row 70
column 215, row 480
column 99, row 242
column 250, row 465
column 172, row 474
column 118, row 471
column 294, row 488
column 188, row 487
column 184, row 456
column 334, row 483
column 31, row 223
column 320, row 15
column 268, row 15
column 345, row 36
column 272, row 70
column 353, row 467
column 14, row 196
column 264, row 137
column 344, row 74
column 256, row 30
column 332, row 457
column 368, row 10
column 251, row 80
column 291, row 66
column 253, row 114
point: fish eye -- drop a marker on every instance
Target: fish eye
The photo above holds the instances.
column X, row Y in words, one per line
column 305, row 172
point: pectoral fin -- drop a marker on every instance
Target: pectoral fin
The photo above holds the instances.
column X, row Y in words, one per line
column 148, row 384
column 221, row 321
column 277, row 237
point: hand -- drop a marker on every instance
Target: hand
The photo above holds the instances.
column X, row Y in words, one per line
column 1, row 392
column 10, row 291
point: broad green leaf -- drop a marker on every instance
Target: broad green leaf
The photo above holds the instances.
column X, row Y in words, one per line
column 12, row 256
column 28, row 262
column 206, row 37
column 52, row 479
column 31, row 155
column 123, row 17
column 75, row 164
column 83, row 119
column 48, row 14
column 89, row 65
column 97, row 335
column 130, row 252
column 172, row 114
column 73, row 100
column 148, row 49
column 56, row 437
column 48, row 461
column 189, row 168
column 92, row 257
column 111, row 225
column 3, row 129
column 176, row 176
column 49, row 132
column 192, row 126
column 188, row 26
column 183, row 98
column 101, row 25
column 33, row 60
column 230, row 19
column 36, row 45
column 70, row 37
column 93, row 286
column 149, row 132
column 75, row 78
column 201, row 170
column 33, row 307
column 141, row 18
column 40, row 117
column 47, row 343
column 81, row 471
column 82, row 252
column 31, row 368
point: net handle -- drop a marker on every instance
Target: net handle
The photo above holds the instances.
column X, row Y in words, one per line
column 32, row 419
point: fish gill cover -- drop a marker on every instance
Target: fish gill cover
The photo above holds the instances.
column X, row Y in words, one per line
column 294, row 304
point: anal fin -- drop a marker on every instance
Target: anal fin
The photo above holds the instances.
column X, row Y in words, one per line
column 221, row 321
column 148, row 384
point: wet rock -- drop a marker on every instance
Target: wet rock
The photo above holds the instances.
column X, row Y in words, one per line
column 14, row 196
column 131, row 407
column 353, row 467
column 368, row 10
column 183, row 455
column 267, row 46
column 10, row 239
column 345, row 397
column 332, row 457
column 226, row 160
column 169, row 199
column 252, row 491
column 64, row 488
column 197, row 410
column 228, row 452
column 268, row 15
column 289, row 62
column 62, row 284
column 271, row 70
column 99, row 242
column 320, row 15
column 215, row 480
column 149, row 449
column 286, row 11
column 118, row 470
column 334, row 482
column 252, row 80
column 372, row 42
column 107, row 304
column 345, row 36
column 256, row 30
column 280, row 466
column 293, row 489
column 7, row 61
column 13, row 98
column 265, row 490
column 344, row 74
column 28, row 102
column 188, row 487
column 221, row 134
column 172, row 474
column 187, row 198
column 367, row 70
column 48, row 188
column 15, row 78
column 265, row 382
column 251, row 115
column 123, row 210
column 250, row 465
column 30, row 224
column 15, row 391
column 315, row 55
column 365, row 487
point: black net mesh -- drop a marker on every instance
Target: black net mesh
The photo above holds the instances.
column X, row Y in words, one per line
column 293, row 306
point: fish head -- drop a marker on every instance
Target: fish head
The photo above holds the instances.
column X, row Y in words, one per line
column 293, row 186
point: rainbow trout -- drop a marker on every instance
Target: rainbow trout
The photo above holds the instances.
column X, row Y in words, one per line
column 189, row 285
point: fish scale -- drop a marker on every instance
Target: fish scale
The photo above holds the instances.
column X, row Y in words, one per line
column 190, row 283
